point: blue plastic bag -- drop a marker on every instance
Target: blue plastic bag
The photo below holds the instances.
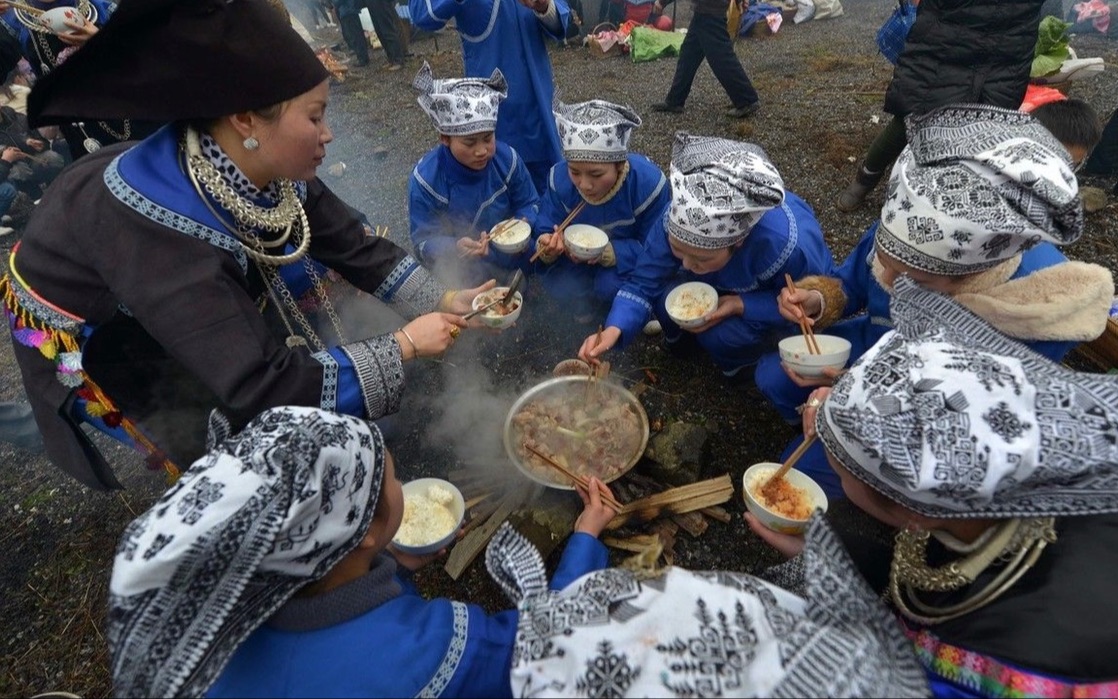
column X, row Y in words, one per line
column 892, row 35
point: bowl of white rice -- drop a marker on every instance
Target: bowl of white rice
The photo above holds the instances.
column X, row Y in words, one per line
column 584, row 242
column 689, row 304
column 433, row 513
column 510, row 236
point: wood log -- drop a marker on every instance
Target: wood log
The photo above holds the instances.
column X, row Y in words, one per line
column 691, row 522
column 687, row 498
column 719, row 513
column 636, row 543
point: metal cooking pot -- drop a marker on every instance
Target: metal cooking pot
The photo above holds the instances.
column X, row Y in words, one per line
column 575, row 387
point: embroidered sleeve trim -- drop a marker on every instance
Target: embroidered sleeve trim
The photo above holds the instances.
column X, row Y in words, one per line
column 635, row 299
column 411, row 289
column 454, row 653
column 380, row 374
column 329, row 398
column 147, row 208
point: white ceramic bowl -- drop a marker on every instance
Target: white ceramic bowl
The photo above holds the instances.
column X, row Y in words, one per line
column 493, row 318
column 689, row 304
column 457, row 507
column 585, row 242
column 834, row 352
column 55, row 18
column 514, row 236
column 756, row 475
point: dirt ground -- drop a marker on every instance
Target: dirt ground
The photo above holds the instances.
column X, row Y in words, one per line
column 821, row 85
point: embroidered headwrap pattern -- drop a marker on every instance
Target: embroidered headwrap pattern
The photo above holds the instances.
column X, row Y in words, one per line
column 249, row 524
column 950, row 418
column 687, row 633
column 720, row 189
column 596, row 131
column 976, row 186
column 461, row 106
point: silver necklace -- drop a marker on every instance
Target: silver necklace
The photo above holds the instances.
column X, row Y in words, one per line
column 254, row 246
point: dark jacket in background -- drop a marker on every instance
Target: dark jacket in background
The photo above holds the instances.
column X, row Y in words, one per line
column 977, row 51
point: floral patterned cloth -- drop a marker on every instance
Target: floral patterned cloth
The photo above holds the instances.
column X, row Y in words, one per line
column 950, row 418
column 976, row 186
column 461, row 106
column 687, row 634
column 595, row 131
column 261, row 515
column 720, row 190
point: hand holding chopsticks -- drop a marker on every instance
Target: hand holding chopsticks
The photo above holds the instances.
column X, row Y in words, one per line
column 787, row 465
column 581, row 481
column 554, row 244
column 805, row 327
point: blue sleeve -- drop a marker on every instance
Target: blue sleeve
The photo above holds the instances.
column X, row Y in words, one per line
column 432, row 15
column 1053, row 349
column 761, row 305
column 648, row 212
column 583, row 554
column 522, row 193
column 654, row 269
column 564, row 13
column 347, row 399
column 856, row 275
column 552, row 210
column 425, row 214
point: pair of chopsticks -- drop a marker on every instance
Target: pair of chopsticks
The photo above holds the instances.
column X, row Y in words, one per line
column 805, row 328
column 562, row 226
column 792, row 459
column 584, row 483
column 593, row 368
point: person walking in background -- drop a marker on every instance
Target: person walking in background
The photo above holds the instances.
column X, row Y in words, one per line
column 385, row 23
column 509, row 35
column 978, row 51
column 709, row 37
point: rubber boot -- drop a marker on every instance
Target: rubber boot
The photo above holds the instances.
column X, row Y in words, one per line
column 856, row 192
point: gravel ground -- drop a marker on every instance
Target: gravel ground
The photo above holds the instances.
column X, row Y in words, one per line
column 821, row 85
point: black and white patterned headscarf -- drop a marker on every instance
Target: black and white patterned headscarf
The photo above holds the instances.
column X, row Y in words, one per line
column 720, row 189
column 461, row 106
column 976, row 186
column 596, row 131
column 950, row 418
column 704, row 634
column 249, row 524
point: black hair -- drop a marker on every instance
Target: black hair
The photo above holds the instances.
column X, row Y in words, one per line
column 1073, row 122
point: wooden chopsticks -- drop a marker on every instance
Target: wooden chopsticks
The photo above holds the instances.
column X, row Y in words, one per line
column 562, row 227
column 792, row 459
column 805, row 328
column 581, row 481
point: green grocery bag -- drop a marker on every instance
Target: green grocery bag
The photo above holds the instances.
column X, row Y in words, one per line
column 648, row 44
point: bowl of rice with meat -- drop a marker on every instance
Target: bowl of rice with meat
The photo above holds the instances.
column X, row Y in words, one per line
column 689, row 304
column 502, row 315
column 786, row 505
column 433, row 513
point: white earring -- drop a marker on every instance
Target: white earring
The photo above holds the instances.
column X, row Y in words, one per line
column 251, row 143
